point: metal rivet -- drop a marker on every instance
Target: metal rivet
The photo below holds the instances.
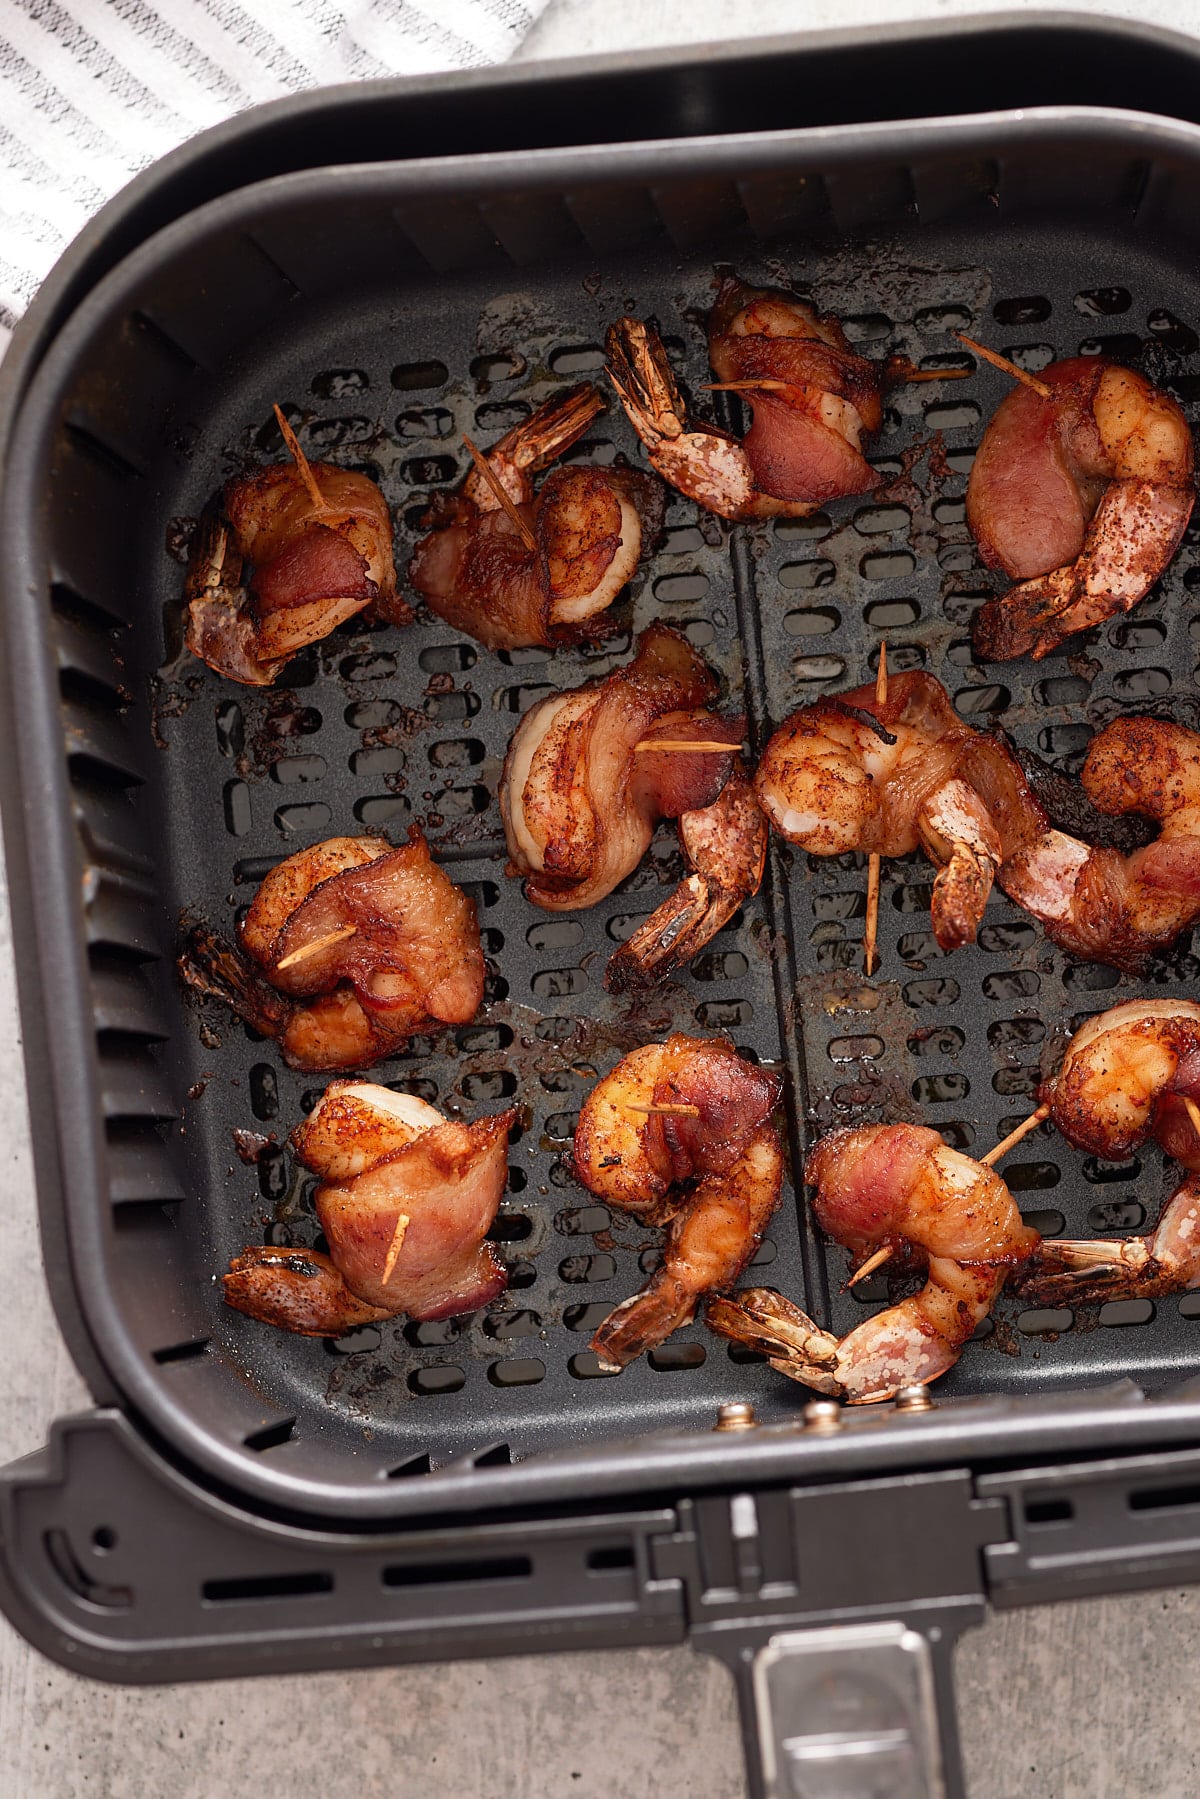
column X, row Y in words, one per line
column 822, row 1417
column 914, row 1399
column 738, row 1414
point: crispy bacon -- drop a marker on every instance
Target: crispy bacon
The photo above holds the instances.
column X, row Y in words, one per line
column 377, row 943
column 270, row 572
column 405, row 1203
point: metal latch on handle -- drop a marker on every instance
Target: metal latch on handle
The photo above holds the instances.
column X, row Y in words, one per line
column 848, row 1713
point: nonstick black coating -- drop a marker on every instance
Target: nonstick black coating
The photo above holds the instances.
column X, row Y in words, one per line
column 389, row 321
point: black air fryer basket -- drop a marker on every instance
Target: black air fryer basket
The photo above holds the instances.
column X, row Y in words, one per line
column 420, row 1490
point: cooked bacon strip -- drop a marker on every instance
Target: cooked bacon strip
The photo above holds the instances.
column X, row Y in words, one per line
column 1102, row 905
column 382, row 1156
column 1082, row 495
column 813, row 401
column 395, row 946
column 269, row 572
column 897, row 1187
column 545, row 569
column 713, row 1171
column 580, row 800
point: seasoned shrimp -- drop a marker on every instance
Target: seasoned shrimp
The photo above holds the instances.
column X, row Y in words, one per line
column 583, row 787
column 725, row 846
column 545, row 568
column 1125, row 1077
column 813, row 402
column 852, row 773
column 1102, row 905
column 279, row 559
column 681, row 1132
column 1089, row 1271
column 347, row 948
column 406, row 1200
column 901, row 1187
column 1081, row 491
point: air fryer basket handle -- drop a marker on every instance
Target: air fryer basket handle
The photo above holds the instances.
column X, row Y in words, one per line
column 849, row 1711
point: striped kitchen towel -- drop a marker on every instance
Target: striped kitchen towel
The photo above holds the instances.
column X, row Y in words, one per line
column 91, row 91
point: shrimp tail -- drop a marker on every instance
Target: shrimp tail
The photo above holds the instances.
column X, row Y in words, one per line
column 770, row 1324
column 1088, row 1272
column 214, row 968
column 726, row 845
column 296, row 1290
column 644, row 1320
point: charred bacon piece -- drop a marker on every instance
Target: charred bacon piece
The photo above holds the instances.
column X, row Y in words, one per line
column 680, row 1133
column 583, row 787
column 279, row 559
column 347, row 949
column 406, row 1200
column 544, row 567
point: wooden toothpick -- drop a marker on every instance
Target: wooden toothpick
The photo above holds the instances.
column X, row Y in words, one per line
column 1193, row 1112
column 874, row 860
column 679, row 744
column 316, row 946
column 301, row 461
column 1010, row 368
column 396, row 1245
column 1014, row 1137
column 871, row 1264
column 497, row 486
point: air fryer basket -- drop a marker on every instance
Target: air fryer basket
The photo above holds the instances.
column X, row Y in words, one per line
column 391, row 309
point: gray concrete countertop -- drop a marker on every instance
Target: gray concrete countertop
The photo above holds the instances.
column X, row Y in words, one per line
column 1093, row 1698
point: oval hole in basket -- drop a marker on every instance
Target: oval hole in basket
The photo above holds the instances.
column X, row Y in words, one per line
column 806, row 576
column 720, row 965
column 814, row 621
column 558, row 983
column 809, row 670
column 854, row 1049
column 447, row 658
column 937, row 1040
column 723, row 1014
column 411, row 376
column 424, row 421
column 1007, row 1031
column 1009, row 1082
column 236, row 797
column 888, row 567
column 1029, row 1177
column 871, row 521
column 582, row 1221
column 849, row 903
column 462, row 802
column 429, row 471
column 673, row 1358
column 673, row 589
column 940, row 1089
column 1029, row 309
column 339, row 384
column 586, row 1366
column 375, row 764
column 576, row 1270
column 1172, row 332
column 1007, row 939
column 380, row 665
column 524, row 1372
column 952, row 415
column 1142, row 683
column 505, row 366
column 381, row 809
column 1048, row 1222
column 890, row 615
column 1138, row 634
column 1090, row 977
column 1062, row 690
column 950, row 512
column 1114, row 1215
column 974, row 702
column 577, row 359
column 1018, row 983
column 1121, row 1312
column 442, row 1377
column 943, row 992
column 1103, row 302
column 803, row 530
column 934, row 319
column 1041, row 1321
column 507, row 1327
column 510, row 1227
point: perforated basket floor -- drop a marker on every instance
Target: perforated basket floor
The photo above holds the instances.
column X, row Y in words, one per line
column 388, row 324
